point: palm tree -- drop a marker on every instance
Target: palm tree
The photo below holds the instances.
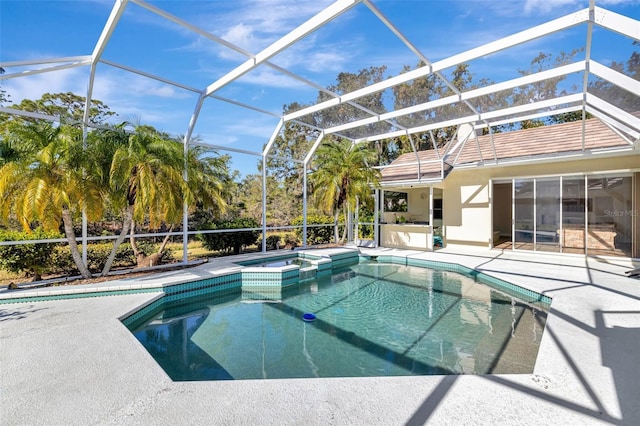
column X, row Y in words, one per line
column 8, row 150
column 209, row 181
column 45, row 182
column 102, row 145
column 342, row 176
column 146, row 181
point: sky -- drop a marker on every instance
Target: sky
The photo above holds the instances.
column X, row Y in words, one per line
column 31, row 30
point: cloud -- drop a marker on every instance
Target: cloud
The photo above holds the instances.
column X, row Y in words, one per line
column 222, row 139
column 252, row 25
column 268, row 77
column 133, row 97
column 243, row 36
column 261, row 23
column 34, row 86
column 251, row 127
column 317, row 56
column 239, row 131
column 271, row 17
column 143, row 87
column 330, row 60
column 546, row 6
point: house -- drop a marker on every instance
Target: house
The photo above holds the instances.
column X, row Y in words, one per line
column 566, row 188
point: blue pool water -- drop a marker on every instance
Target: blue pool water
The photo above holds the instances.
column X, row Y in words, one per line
column 371, row 320
column 284, row 262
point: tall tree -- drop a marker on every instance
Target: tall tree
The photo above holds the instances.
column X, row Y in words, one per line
column 341, row 177
column 366, row 105
column 425, row 89
column 616, row 95
column 45, row 183
column 146, row 181
column 9, row 144
column 542, row 90
column 68, row 106
column 294, row 143
column 4, row 97
column 280, row 210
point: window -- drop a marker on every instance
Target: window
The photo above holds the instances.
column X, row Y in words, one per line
column 437, row 208
column 395, row 201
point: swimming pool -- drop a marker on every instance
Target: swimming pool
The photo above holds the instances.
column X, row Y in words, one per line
column 372, row 319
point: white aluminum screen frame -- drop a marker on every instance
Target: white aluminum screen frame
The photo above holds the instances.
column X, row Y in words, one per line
column 622, row 122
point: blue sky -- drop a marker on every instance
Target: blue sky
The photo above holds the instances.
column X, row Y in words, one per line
column 355, row 40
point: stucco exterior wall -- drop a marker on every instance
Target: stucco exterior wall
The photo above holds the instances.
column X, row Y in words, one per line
column 466, row 201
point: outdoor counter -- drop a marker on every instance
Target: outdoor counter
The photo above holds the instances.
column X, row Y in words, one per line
column 406, row 235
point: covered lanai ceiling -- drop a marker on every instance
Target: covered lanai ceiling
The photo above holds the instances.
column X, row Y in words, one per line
column 590, row 81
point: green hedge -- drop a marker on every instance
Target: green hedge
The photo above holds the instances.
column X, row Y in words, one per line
column 366, row 231
column 274, row 242
column 230, row 242
column 97, row 253
column 315, row 235
column 55, row 258
column 32, row 259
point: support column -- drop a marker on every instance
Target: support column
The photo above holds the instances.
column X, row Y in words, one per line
column 635, row 227
column 376, row 220
column 356, row 220
column 265, row 153
column 304, row 205
column 185, row 176
column 264, row 203
column 431, row 228
column 349, row 225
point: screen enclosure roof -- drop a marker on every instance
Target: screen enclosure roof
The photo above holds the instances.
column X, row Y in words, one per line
column 216, row 79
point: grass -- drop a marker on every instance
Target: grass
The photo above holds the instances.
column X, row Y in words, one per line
column 195, row 250
column 9, row 277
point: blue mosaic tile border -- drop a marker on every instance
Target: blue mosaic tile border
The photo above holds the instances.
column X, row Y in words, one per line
column 172, row 291
column 28, row 299
column 145, row 310
column 267, row 259
column 295, row 255
column 342, row 260
column 221, row 282
column 201, row 287
column 270, row 277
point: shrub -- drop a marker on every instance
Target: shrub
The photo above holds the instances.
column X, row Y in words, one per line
column 274, row 242
column 33, row 259
column 61, row 261
column 366, row 231
column 315, row 235
column 97, row 253
column 228, row 242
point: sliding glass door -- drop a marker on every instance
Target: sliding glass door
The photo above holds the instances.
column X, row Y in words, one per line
column 610, row 220
column 547, row 229
column 523, row 212
column 573, row 214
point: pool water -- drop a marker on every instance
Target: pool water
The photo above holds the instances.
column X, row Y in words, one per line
column 284, row 262
column 371, row 320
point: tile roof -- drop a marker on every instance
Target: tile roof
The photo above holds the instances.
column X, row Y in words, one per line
column 546, row 140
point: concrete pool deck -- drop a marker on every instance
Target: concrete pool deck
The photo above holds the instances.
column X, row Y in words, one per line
column 73, row 362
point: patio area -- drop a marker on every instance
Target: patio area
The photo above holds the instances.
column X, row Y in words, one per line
column 73, row 361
